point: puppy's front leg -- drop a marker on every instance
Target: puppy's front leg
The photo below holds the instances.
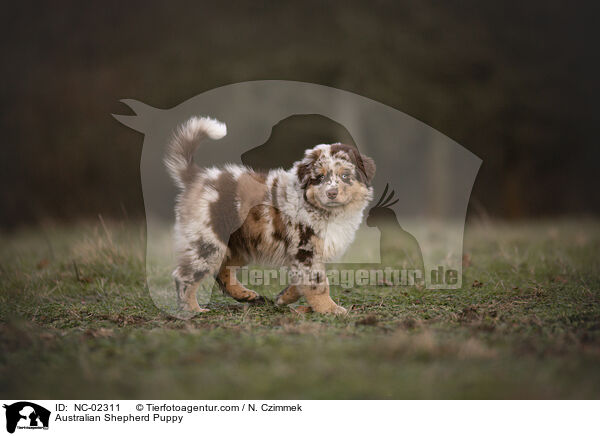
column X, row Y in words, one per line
column 319, row 300
column 317, row 295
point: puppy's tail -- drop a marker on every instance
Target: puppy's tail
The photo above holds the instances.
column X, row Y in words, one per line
column 179, row 159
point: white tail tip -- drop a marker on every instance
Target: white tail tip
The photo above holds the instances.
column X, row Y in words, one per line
column 214, row 129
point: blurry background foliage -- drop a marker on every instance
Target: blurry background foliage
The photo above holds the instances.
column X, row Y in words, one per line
column 514, row 82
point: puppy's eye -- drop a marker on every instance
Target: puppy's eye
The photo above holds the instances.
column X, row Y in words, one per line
column 319, row 179
column 346, row 177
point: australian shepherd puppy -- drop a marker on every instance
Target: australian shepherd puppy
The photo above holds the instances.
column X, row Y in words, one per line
column 300, row 218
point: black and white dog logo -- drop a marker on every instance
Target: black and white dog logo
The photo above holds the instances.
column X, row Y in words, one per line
column 26, row 415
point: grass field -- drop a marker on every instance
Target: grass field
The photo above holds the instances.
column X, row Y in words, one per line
column 76, row 322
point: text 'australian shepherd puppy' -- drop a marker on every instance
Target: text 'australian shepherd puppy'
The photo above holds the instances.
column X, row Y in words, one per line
column 299, row 218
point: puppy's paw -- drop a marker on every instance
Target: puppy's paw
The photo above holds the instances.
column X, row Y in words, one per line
column 332, row 310
column 339, row 310
column 301, row 310
column 191, row 309
column 288, row 296
column 281, row 301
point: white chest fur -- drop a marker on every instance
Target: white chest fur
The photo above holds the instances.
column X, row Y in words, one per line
column 339, row 234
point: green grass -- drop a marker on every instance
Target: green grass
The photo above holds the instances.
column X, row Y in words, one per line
column 77, row 322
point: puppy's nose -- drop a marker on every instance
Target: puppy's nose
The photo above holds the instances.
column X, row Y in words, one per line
column 332, row 193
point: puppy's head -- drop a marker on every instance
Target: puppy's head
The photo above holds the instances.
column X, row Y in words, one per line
column 335, row 176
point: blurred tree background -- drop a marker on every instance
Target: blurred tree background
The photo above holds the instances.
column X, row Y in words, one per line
column 514, row 82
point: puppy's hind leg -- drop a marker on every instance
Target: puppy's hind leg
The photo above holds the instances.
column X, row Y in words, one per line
column 186, row 286
column 231, row 286
column 198, row 262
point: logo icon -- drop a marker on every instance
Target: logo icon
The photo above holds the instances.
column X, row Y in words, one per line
column 26, row 415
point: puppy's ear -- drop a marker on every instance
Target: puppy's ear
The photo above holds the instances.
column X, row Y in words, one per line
column 305, row 166
column 303, row 173
column 365, row 165
column 369, row 167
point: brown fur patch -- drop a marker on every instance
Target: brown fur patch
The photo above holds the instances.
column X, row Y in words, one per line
column 223, row 218
column 249, row 240
column 279, row 227
column 274, row 200
column 305, row 256
column 251, row 191
column 305, row 233
column 245, row 240
column 204, row 249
